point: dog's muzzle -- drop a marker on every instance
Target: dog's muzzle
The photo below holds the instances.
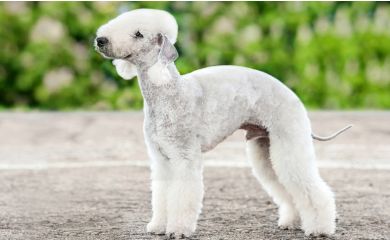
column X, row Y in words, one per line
column 102, row 45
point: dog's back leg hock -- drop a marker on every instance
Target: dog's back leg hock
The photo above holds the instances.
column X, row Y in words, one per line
column 185, row 192
column 258, row 154
column 293, row 159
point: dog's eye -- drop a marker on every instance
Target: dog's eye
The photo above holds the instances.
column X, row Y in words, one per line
column 138, row 35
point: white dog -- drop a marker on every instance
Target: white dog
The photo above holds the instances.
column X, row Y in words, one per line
column 190, row 114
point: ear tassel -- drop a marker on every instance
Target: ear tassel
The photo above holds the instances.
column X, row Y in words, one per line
column 125, row 69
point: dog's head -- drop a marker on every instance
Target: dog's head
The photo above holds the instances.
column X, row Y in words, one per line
column 138, row 37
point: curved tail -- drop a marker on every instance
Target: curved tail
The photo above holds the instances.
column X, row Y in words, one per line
column 327, row 138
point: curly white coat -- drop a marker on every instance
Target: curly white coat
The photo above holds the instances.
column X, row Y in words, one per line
column 190, row 114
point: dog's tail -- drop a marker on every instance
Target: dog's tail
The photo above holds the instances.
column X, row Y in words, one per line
column 327, row 138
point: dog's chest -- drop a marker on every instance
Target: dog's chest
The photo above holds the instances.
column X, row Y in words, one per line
column 162, row 125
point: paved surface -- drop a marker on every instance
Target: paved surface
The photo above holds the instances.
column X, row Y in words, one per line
column 85, row 176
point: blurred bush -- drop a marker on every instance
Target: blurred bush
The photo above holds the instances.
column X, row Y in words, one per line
column 334, row 55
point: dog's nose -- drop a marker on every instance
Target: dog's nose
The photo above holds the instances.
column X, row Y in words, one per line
column 101, row 41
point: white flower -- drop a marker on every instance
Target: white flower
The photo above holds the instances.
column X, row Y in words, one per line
column 332, row 78
column 239, row 9
column 336, row 84
column 239, row 60
column 276, row 29
column 80, row 52
column 223, row 25
column 251, row 33
column 296, row 6
column 321, row 25
column 342, row 23
column 48, row 30
column 376, row 72
column 17, row 8
column 382, row 20
column 105, row 7
column 304, row 34
column 206, row 9
column 56, row 79
column 311, row 70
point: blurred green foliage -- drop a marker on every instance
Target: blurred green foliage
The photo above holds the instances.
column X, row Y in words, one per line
column 334, row 55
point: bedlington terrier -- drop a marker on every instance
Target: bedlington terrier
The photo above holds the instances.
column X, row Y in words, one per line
column 190, row 114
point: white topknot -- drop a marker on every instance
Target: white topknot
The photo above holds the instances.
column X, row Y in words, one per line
column 154, row 20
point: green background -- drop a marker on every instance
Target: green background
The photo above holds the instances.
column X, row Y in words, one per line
column 334, row 55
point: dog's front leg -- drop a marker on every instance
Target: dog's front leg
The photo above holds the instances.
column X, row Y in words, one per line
column 160, row 176
column 160, row 183
column 185, row 194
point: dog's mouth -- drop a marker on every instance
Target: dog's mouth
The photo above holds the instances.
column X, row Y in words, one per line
column 105, row 55
column 127, row 56
column 124, row 57
column 109, row 55
column 104, row 52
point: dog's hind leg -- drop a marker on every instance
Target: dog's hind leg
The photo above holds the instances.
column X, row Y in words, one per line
column 258, row 154
column 293, row 159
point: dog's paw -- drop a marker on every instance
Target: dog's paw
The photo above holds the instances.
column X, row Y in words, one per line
column 155, row 228
column 319, row 230
column 179, row 232
column 288, row 223
column 288, row 218
column 176, row 236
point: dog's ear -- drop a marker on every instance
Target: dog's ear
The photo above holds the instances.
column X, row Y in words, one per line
column 168, row 52
column 125, row 69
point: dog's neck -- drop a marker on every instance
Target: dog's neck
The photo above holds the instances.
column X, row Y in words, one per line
column 159, row 82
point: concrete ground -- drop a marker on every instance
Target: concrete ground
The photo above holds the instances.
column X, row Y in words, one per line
column 84, row 176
